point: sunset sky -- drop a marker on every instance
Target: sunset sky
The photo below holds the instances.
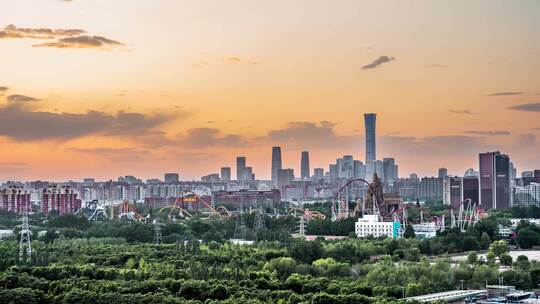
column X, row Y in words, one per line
column 103, row 88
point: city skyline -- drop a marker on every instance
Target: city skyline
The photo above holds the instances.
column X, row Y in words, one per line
column 178, row 86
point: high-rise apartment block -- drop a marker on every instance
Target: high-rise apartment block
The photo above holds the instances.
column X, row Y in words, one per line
column 226, row 173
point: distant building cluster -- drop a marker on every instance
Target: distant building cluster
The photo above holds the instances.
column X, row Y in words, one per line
column 494, row 185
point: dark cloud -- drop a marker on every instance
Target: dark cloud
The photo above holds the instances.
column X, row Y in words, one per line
column 122, row 154
column 505, row 93
column 20, row 121
column 64, row 38
column 309, row 134
column 79, row 42
column 434, row 145
column 488, row 133
column 377, row 62
column 3, row 89
column 461, row 112
column 208, row 137
column 529, row 107
column 20, row 98
column 13, row 32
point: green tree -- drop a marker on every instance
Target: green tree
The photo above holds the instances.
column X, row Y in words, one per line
column 499, row 248
column 505, row 259
column 409, row 232
column 472, row 258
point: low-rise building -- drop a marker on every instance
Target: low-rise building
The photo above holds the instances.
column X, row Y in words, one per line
column 369, row 224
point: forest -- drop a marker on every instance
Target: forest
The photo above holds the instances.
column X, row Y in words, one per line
column 77, row 261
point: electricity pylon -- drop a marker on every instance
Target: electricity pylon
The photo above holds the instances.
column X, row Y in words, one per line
column 25, row 246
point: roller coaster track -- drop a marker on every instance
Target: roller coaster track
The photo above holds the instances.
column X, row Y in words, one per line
column 306, row 213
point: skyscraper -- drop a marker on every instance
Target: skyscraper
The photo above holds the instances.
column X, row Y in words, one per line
column 304, row 170
column 226, row 173
column 240, row 168
column 494, row 180
column 389, row 170
column 371, row 156
column 285, row 176
column 318, row 173
column 276, row 164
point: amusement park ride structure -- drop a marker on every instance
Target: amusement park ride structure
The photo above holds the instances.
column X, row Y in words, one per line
column 375, row 202
column 387, row 208
column 127, row 210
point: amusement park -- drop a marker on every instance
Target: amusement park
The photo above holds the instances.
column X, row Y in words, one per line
column 367, row 215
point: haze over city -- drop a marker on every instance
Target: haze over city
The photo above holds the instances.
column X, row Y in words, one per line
column 183, row 86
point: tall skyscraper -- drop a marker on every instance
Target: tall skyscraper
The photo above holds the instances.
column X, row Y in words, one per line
column 494, row 180
column 304, row 170
column 226, row 173
column 371, row 156
column 240, row 168
column 276, row 164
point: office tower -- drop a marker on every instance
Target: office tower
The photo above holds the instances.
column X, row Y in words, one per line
column 240, row 167
column 471, row 189
column 378, row 168
column 430, row 189
column 333, row 171
column 318, row 173
column 359, row 169
column 304, row 170
column 536, row 173
column 494, row 180
column 347, row 167
column 513, row 173
column 285, row 177
column 171, row 178
column 248, row 174
column 371, row 156
column 389, row 170
column 413, row 176
column 226, row 173
column 276, row 164
column 443, row 173
column 452, row 191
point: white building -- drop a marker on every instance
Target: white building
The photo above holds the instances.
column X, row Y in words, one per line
column 369, row 225
column 425, row 230
column 528, row 195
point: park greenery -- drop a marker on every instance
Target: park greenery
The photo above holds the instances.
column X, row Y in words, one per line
column 77, row 261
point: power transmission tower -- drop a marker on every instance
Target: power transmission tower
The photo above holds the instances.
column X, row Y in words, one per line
column 239, row 227
column 258, row 222
column 302, row 227
column 25, row 246
column 158, row 239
